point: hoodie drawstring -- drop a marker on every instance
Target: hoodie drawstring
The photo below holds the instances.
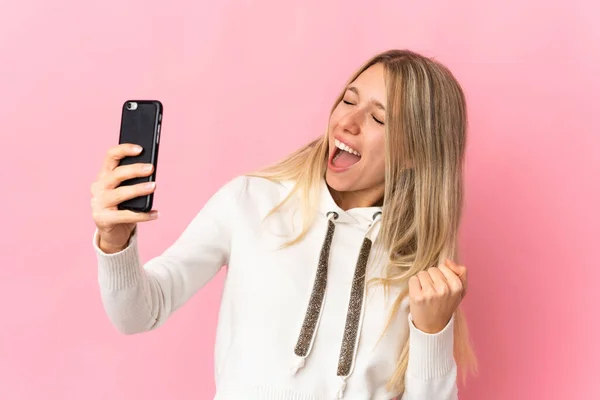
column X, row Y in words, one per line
column 356, row 306
column 317, row 298
column 355, row 314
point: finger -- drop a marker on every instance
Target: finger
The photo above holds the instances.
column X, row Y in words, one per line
column 426, row 281
column 453, row 266
column 454, row 282
column 438, row 281
column 117, row 153
column 460, row 271
column 126, row 172
column 111, row 198
column 414, row 287
column 115, row 217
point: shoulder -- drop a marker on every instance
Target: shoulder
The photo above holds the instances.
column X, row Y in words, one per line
column 257, row 191
column 263, row 190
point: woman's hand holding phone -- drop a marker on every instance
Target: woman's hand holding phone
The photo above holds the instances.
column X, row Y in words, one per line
column 116, row 226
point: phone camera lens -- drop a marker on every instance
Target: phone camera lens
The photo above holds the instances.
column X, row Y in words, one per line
column 129, row 105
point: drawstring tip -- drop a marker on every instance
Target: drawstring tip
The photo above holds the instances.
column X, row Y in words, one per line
column 298, row 365
column 340, row 393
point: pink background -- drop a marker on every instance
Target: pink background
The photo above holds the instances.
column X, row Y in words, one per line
column 245, row 82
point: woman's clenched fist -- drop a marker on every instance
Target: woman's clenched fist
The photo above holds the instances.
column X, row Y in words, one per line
column 435, row 295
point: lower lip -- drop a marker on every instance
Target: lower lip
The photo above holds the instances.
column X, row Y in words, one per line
column 338, row 169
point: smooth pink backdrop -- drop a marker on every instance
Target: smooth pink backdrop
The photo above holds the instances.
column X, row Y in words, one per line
column 245, row 82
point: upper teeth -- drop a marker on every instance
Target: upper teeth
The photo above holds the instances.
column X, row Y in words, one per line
column 345, row 147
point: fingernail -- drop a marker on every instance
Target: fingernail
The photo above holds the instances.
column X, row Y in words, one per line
column 147, row 168
column 151, row 185
column 137, row 149
column 153, row 214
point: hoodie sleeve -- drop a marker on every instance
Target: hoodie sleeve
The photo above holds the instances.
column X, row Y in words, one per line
column 431, row 371
column 140, row 297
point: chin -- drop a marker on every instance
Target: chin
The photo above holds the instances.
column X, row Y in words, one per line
column 339, row 183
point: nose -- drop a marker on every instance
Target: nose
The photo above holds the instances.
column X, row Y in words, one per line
column 351, row 122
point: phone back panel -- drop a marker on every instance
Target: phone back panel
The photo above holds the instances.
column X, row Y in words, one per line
column 141, row 126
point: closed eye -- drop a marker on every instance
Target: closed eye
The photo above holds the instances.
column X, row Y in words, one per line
column 347, row 102
column 378, row 121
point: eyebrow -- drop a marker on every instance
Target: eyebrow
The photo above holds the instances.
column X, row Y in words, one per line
column 375, row 102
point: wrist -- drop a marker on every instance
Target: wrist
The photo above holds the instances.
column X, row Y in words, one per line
column 110, row 248
column 430, row 329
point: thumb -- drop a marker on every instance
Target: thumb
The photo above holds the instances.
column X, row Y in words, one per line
column 459, row 270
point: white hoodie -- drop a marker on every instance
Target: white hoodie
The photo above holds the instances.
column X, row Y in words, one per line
column 296, row 323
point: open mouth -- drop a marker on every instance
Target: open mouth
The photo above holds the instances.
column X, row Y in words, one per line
column 344, row 156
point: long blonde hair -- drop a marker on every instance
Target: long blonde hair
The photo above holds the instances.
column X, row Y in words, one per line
column 426, row 123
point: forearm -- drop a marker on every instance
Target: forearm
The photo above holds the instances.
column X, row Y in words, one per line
column 139, row 297
column 132, row 298
column 431, row 371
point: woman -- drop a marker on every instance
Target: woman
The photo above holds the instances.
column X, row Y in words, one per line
column 339, row 281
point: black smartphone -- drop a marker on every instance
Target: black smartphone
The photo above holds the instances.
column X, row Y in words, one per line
column 140, row 124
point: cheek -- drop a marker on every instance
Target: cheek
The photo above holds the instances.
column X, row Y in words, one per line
column 335, row 117
column 376, row 144
column 377, row 153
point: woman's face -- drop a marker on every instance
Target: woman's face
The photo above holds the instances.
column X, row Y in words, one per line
column 356, row 164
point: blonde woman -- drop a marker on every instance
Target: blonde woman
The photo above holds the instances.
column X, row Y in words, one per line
column 339, row 281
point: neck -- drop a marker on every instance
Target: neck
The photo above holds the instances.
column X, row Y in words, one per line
column 358, row 198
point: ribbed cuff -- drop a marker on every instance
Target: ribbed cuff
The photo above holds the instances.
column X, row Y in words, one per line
column 430, row 355
column 119, row 270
